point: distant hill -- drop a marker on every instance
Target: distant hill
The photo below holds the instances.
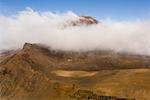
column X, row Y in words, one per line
column 91, row 60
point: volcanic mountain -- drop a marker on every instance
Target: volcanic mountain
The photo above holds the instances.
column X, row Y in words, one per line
column 79, row 21
column 38, row 72
column 85, row 20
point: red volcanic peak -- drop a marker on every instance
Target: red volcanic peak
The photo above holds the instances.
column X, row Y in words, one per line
column 87, row 20
column 84, row 20
column 79, row 21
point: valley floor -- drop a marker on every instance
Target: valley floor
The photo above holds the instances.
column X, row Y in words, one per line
column 127, row 83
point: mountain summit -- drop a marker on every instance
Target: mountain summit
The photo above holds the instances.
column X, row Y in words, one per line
column 87, row 20
column 81, row 20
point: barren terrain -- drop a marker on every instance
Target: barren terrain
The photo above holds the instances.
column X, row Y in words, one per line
column 38, row 73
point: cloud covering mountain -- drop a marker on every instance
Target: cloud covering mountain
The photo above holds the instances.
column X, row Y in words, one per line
column 55, row 30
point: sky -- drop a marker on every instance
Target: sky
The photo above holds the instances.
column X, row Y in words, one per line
column 100, row 9
column 124, row 24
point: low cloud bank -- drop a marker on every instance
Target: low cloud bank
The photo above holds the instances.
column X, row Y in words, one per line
column 55, row 31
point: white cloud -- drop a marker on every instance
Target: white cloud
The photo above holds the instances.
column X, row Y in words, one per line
column 47, row 28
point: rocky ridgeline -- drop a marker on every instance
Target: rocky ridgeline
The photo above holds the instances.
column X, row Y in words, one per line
column 89, row 95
